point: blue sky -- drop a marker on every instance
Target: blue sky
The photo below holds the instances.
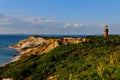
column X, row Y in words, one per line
column 59, row 16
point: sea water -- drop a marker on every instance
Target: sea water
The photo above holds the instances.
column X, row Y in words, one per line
column 6, row 54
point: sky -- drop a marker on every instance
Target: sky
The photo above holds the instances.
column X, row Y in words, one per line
column 59, row 16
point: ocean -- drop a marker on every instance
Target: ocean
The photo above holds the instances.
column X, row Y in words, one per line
column 6, row 54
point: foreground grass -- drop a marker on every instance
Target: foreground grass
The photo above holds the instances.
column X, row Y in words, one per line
column 97, row 59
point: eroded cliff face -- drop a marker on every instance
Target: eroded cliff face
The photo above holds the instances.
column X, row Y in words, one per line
column 39, row 45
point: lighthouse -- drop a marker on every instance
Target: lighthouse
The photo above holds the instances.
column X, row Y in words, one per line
column 106, row 31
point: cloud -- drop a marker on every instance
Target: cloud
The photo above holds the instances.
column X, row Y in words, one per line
column 78, row 25
column 32, row 25
column 2, row 15
column 5, row 20
column 5, row 23
column 74, row 25
column 66, row 25
column 40, row 25
column 33, row 22
column 38, row 20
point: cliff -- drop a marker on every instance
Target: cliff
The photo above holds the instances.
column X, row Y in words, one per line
column 39, row 45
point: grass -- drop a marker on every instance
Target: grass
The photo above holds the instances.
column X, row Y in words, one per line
column 97, row 59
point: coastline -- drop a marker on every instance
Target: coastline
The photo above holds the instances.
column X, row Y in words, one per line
column 39, row 45
column 14, row 58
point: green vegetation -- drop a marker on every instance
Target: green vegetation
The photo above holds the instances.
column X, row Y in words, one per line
column 97, row 59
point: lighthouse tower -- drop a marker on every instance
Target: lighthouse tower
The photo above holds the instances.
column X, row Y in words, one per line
column 105, row 31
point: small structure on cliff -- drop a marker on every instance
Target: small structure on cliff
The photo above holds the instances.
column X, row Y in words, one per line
column 106, row 31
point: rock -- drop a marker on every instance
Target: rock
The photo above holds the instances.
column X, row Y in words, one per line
column 54, row 77
column 6, row 79
column 67, row 40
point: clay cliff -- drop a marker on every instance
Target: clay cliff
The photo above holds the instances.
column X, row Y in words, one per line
column 39, row 45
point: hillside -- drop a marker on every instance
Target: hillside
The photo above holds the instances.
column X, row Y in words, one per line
column 96, row 59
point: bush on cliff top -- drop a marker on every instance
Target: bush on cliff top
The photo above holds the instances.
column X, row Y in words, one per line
column 97, row 59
